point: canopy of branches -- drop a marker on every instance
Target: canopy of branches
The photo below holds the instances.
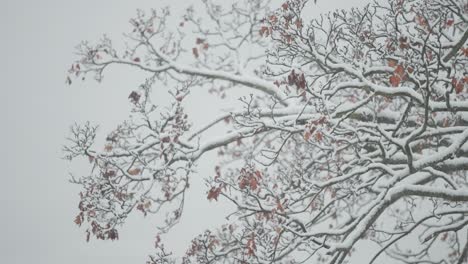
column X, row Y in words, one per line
column 352, row 136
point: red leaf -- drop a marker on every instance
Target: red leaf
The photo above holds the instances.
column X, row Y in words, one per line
column 199, row 41
column 465, row 51
column 136, row 60
column 251, row 247
column 318, row 136
column 400, row 71
column 273, row 19
column 454, row 81
column 279, row 206
column 258, row 174
column 459, row 87
column 243, row 183
column 298, row 23
column 395, row 80
column 449, row 22
column 264, row 31
column 213, row 193
column 285, row 6
column 253, row 183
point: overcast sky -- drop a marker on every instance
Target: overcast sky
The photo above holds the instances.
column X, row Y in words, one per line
column 39, row 205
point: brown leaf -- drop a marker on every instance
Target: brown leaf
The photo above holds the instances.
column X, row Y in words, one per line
column 134, row 171
column 108, row 174
column 108, row 148
column 195, row 52
column 79, row 219
column 134, row 97
column 392, row 62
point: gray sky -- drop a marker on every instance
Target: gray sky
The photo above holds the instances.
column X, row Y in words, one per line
column 37, row 108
